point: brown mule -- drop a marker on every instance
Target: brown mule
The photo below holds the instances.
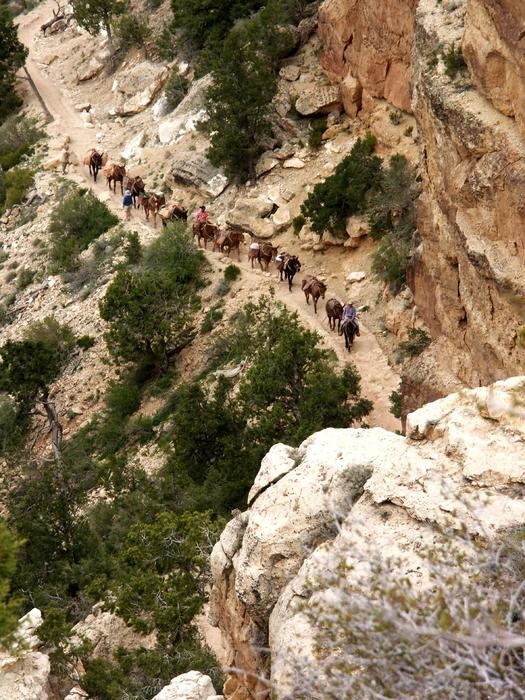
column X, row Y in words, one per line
column 115, row 173
column 334, row 311
column 313, row 287
column 231, row 240
column 207, row 231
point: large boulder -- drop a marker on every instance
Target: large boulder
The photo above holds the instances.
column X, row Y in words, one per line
column 106, row 632
column 138, row 87
column 318, row 99
column 463, row 459
column 24, row 671
column 188, row 113
column 193, row 169
column 189, row 686
column 251, row 215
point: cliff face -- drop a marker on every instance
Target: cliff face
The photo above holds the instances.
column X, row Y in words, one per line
column 463, row 457
column 469, row 274
column 370, row 41
column 468, row 277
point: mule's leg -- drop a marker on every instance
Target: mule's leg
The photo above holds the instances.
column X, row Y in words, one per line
column 315, row 302
column 307, row 295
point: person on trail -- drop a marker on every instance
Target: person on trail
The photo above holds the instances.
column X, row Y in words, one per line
column 201, row 217
column 127, row 203
column 64, row 158
column 350, row 316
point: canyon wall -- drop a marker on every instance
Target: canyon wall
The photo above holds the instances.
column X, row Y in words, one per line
column 463, row 457
column 468, row 276
column 371, row 42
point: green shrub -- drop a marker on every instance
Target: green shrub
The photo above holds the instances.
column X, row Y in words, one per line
column 395, row 116
column 231, row 273
column 391, row 258
column 396, row 404
column 408, row 131
column 345, row 192
column 8, row 604
column 454, row 61
column 297, row 224
column 17, row 183
column 12, row 57
column 418, row 340
column 132, row 30
column 54, row 334
column 133, row 248
column 123, row 398
column 85, row 342
column 317, row 130
column 18, row 134
column 212, row 317
column 77, row 221
column 176, row 88
column 25, row 277
column 150, row 310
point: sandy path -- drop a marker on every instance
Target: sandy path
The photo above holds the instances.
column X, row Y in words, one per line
column 378, row 379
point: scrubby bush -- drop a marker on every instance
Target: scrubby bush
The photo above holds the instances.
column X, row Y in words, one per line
column 8, row 604
column 133, row 248
column 18, row 134
column 12, row 57
column 176, row 88
column 150, row 310
column 396, row 404
column 25, row 277
column 344, row 193
column 297, row 223
column 454, row 61
column 395, row 116
column 212, row 317
column 392, row 219
column 418, row 340
column 317, row 130
column 231, row 273
column 132, row 30
column 440, row 620
column 77, row 221
column 16, row 185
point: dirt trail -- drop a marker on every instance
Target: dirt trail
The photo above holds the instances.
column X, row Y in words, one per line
column 378, row 378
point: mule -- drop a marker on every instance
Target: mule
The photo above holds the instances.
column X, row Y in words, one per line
column 348, row 329
column 312, row 287
column 172, row 212
column 136, row 186
column 115, row 173
column 207, row 231
column 231, row 240
column 94, row 160
column 264, row 253
column 151, row 204
column 334, row 311
column 289, row 267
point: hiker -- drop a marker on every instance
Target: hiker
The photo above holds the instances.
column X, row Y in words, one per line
column 64, row 158
column 127, row 203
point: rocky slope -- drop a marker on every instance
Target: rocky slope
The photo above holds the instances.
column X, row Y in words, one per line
column 460, row 459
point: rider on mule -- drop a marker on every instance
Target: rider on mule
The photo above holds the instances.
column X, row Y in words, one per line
column 350, row 316
column 201, row 217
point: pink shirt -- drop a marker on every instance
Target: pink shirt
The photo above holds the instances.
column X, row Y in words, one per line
column 202, row 217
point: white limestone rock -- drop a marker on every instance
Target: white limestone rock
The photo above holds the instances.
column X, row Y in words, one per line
column 189, row 686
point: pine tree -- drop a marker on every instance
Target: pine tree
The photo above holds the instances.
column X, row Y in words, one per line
column 12, row 57
column 91, row 14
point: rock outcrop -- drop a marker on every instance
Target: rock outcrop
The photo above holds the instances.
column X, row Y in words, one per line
column 189, row 686
column 463, row 457
column 372, row 42
column 24, row 670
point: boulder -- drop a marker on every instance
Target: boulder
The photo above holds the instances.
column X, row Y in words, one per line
column 250, row 215
column 24, row 671
column 192, row 169
column 91, row 70
column 266, row 163
column 353, row 277
column 137, row 88
column 318, row 99
column 294, row 163
column 188, row 113
column 107, row 632
column 290, row 73
column 282, row 219
column 351, row 95
column 189, row 686
column 133, row 148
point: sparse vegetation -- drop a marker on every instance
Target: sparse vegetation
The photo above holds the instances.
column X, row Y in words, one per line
column 24, row 278
column 132, row 30
column 345, row 192
column 396, row 404
column 231, row 273
column 212, row 317
column 317, row 129
column 176, row 88
column 418, row 340
column 76, row 222
column 454, row 62
column 395, row 116
column 18, row 134
column 16, row 183
column 12, row 57
column 297, row 224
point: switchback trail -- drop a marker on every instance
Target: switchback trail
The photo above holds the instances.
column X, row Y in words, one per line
column 378, row 379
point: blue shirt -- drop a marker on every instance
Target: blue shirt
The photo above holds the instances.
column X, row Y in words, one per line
column 349, row 312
